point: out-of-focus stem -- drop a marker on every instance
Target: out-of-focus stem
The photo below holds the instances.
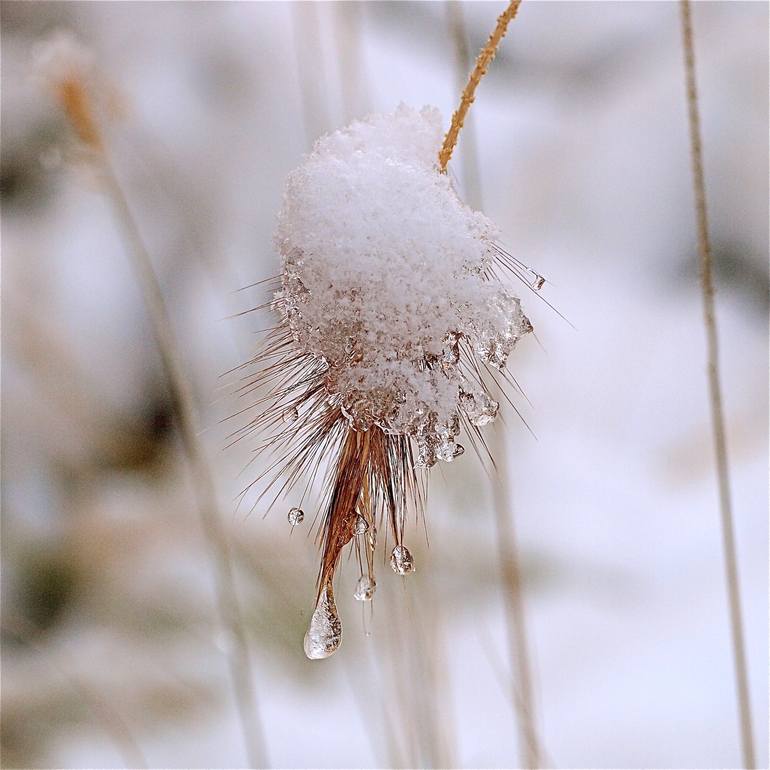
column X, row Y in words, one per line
column 529, row 747
column 483, row 61
column 71, row 88
column 189, row 429
column 311, row 67
column 715, row 392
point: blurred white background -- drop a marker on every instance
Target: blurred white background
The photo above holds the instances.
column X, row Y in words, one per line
column 583, row 161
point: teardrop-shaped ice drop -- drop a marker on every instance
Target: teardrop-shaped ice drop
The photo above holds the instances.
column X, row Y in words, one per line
column 360, row 525
column 401, row 560
column 291, row 415
column 365, row 589
column 295, row 516
column 324, row 635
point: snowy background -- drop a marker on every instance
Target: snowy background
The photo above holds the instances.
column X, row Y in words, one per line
column 583, row 161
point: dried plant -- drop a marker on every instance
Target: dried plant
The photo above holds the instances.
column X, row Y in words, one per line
column 529, row 743
column 394, row 324
column 715, row 393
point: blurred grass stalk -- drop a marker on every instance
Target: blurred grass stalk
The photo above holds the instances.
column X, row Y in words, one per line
column 75, row 99
column 715, row 392
column 508, row 557
column 208, row 509
column 418, row 735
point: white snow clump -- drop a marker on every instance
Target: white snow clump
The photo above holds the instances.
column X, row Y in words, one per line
column 387, row 277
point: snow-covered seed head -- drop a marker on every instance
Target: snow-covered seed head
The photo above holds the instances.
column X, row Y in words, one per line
column 389, row 278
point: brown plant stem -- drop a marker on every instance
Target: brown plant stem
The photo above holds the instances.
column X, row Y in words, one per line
column 515, row 621
column 189, row 429
column 72, row 92
column 715, row 393
column 470, row 155
column 483, row 61
column 529, row 745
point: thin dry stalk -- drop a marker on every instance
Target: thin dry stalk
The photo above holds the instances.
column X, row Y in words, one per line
column 189, row 429
column 483, row 61
column 529, row 745
column 469, row 156
column 74, row 98
column 311, row 67
column 351, row 61
column 715, row 392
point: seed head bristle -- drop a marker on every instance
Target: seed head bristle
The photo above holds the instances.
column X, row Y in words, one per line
column 393, row 325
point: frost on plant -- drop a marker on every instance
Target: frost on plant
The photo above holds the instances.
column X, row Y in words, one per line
column 392, row 320
column 388, row 277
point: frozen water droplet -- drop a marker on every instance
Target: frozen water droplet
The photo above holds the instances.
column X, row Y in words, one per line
column 450, row 354
column 295, row 516
column 538, row 283
column 401, row 560
column 357, row 409
column 450, row 428
column 291, row 415
column 360, row 525
column 426, row 457
column 525, row 326
column 479, row 407
column 446, row 450
column 324, row 635
column 459, row 450
column 365, row 589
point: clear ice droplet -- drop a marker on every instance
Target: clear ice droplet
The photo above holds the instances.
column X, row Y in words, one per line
column 401, row 560
column 360, row 525
column 426, row 457
column 447, row 450
column 365, row 589
column 295, row 516
column 291, row 415
column 479, row 407
column 324, row 634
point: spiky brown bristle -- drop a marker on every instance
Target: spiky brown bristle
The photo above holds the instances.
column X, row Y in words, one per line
column 365, row 473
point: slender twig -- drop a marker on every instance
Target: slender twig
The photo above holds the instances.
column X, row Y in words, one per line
column 468, row 95
column 185, row 411
column 516, row 628
column 71, row 87
column 715, row 392
column 469, row 155
column 529, row 745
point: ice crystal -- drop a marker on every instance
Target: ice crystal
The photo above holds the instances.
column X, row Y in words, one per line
column 324, row 634
column 365, row 589
column 295, row 516
column 401, row 561
column 388, row 278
